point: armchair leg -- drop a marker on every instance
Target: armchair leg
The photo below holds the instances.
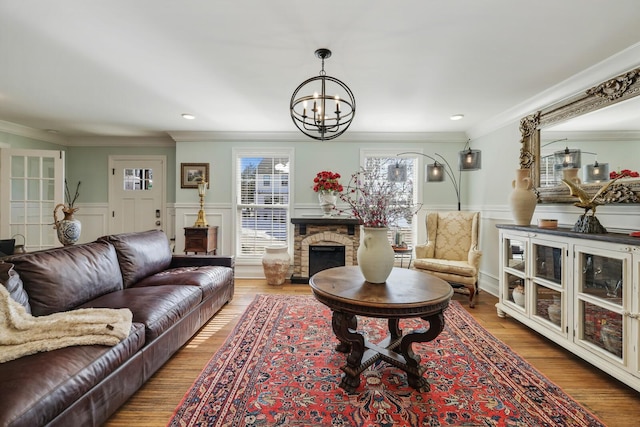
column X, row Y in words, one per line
column 473, row 290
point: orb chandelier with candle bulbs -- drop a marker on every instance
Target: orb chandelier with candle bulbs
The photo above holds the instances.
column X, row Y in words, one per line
column 322, row 107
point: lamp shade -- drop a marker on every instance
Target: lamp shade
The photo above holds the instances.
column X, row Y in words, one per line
column 597, row 172
column 469, row 160
column 435, row 172
column 568, row 158
column 397, row 173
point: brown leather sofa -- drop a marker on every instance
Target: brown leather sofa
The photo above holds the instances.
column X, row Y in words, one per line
column 171, row 298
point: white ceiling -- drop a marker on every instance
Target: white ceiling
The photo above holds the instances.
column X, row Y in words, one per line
column 131, row 68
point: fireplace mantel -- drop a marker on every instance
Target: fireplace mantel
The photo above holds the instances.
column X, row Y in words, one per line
column 302, row 223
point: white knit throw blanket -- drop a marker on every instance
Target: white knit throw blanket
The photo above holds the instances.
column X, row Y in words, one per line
column 22, row 334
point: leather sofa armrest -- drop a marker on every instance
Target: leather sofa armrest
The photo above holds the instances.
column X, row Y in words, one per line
column 200, row 260
column 425, row 251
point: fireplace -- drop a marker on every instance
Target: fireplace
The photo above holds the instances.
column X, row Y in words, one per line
column 322, row 257
column 312, row 238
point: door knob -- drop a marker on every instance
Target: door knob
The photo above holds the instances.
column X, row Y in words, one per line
column 158, row 223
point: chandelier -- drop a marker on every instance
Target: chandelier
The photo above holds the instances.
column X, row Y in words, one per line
column 322, row 107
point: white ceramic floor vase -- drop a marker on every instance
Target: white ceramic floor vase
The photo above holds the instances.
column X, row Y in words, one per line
column 275, row 263
column 522, row 199
column 375, row 254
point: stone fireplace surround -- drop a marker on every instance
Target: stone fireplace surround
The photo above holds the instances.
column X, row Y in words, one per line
column 334, row 231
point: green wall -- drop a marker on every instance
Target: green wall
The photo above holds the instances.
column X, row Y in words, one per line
column 18, row 141
column 310, row 157
column 90, row 165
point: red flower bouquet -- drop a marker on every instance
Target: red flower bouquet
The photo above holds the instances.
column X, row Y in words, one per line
column 624, row 173
column 327, row 182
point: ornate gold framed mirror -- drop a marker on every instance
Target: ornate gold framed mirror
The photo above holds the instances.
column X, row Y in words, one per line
column 619, row 89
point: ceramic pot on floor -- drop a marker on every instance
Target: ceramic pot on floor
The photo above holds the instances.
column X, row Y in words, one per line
column 275, row 263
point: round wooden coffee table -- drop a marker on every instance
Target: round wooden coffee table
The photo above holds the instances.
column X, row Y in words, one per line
column 406, row 294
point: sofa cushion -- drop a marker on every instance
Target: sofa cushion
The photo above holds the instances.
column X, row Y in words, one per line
column 37, row 388
column 208, row 278
column 60, row 279
column 11, row 280
column 141, row 254
column 157, row 307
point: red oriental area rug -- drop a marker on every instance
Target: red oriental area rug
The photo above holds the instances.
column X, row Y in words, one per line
column 280, row 368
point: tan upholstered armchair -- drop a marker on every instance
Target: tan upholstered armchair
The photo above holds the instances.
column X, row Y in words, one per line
column 451, row 251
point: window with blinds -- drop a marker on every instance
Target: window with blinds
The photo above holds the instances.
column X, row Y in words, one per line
column 405, row 230
column 262, row 201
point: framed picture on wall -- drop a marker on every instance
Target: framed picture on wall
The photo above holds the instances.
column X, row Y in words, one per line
column 192, row 173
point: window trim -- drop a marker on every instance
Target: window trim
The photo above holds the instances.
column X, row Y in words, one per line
column 418, row 186
column 259, row 152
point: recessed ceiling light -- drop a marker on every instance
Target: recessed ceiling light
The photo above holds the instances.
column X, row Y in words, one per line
column 53, row 131
column 457, row 117
column 188, row 116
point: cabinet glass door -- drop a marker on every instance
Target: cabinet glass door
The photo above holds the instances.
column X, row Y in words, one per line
column 603, row 287
column 549, row 285
column 514, row 259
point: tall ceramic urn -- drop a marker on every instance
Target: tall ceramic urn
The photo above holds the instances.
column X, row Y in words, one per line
column 275, row 263
column 375, row 254
column 523, row 199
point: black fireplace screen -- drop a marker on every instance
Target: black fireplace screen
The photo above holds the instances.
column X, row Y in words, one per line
column 322, row 257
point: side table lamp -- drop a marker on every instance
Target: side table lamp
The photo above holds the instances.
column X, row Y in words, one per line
column 201, row 221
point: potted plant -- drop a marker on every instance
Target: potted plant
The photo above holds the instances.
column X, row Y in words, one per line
column 377, row 203
column 327, row 185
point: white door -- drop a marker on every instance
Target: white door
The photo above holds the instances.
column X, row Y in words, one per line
column 136, row 193
column 31, row 185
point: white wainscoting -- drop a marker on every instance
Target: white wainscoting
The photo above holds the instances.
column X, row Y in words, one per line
column 95, row 221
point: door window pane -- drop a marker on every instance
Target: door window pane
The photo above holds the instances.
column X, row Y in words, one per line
column 17, row 166
column 33, row 167
column 138, row 179
column 48, row 168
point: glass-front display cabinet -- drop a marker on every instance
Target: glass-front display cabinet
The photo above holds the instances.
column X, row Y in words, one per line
column 580, row 290
column 514, row 260
column 603, row 290
column 549, row 283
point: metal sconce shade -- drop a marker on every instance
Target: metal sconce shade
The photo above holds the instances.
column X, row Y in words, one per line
column 469, row 160
column 435, row 172
column 597, row 172
column 325, row 107
column 397, row 173
column 568, row 158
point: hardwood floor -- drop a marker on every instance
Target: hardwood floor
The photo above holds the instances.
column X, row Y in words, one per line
column 614, row 403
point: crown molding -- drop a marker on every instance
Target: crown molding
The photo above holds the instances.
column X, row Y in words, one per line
column 351, row 137
column 28, row 132
column 613, row 66
column 121, row 141
column 598, row 136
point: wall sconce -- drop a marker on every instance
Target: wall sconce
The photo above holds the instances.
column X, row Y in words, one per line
column 201, row 221
column 468, row 159
column 397, row 172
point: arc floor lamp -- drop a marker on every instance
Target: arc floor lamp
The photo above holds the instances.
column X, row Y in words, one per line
column 468, row 160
